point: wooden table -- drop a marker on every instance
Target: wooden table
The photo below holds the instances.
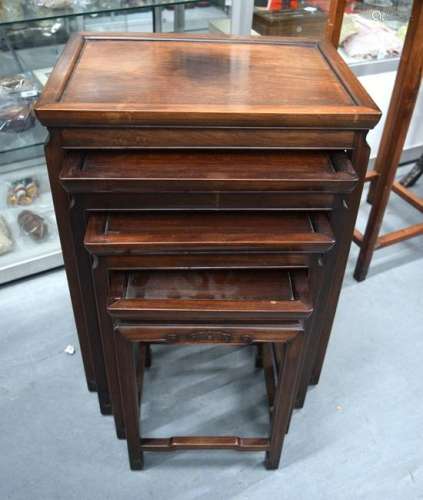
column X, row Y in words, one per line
column 202, row 123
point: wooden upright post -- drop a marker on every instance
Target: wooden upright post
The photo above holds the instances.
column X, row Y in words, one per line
column 334, row 23
column 400, row 112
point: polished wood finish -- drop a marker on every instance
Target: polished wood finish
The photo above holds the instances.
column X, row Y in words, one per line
column 400, row 235
column 131, row 401
column 88, row 334
column 280, row 414
column 178, row 137
column 205, row 443
column 393, row 237
column 202, row 201
column 244, row 260
column 161, row 232
column 217, row 285
column 244, row 295
column 334, row 22
column 343, row 227
column 284, row 397
column 220, row 82
column 209, row 333
column 400, row 112
column 221, row 170
column 408, row 196
column 279, row 127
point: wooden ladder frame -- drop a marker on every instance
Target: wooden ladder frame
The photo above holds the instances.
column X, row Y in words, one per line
column 382, row 178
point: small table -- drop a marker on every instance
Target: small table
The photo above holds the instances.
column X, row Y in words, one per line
column 264, row 104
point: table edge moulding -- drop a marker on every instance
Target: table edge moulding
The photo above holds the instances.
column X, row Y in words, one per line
column 52, row 110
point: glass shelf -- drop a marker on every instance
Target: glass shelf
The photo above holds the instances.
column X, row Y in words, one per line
column 373, row 31
column 24, row 249
column 35, row 135
column 28, row 11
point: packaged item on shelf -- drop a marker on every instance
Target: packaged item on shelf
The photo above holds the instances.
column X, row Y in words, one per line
column 23, row 192
column 15, row 115
column 17, row 96
column 363, row 38
column 6, row 241
column 33, row 225
column 20, row 85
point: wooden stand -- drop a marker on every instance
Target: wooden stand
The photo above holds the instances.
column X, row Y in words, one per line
column 225, row 141
column 400, row 112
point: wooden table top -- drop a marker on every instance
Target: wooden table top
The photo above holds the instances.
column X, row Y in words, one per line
column 137, row 79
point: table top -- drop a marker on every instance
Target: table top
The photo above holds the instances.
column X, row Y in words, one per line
column 24, row 11
column 136, row 79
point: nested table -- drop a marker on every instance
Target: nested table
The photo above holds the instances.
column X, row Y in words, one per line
column 155, row 123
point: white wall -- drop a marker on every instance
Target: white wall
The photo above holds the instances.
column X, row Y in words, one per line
column 380, row 87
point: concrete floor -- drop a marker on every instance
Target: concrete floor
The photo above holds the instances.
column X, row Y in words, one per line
column 359, row 436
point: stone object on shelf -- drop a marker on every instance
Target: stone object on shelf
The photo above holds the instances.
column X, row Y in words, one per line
column 20, row 85
column 15, row 115
column 33, row 225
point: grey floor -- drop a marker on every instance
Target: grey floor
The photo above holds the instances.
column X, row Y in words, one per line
column 359, row 436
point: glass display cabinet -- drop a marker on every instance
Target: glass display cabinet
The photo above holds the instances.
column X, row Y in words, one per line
column 32, row 36
column 372, row 34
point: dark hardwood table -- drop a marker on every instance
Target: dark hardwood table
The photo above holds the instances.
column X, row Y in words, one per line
column 204, row 124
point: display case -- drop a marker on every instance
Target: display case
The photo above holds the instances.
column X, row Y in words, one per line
column 28, row 233
column 32, row 36
column 372, row 35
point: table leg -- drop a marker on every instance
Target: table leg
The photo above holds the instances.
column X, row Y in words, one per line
column 283, row 401
column 130, row 401
column 343, row 226
column 78, row 271
column 54, row 158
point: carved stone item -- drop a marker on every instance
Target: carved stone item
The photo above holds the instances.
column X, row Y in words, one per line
column 33, row 225
column 15, row 116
